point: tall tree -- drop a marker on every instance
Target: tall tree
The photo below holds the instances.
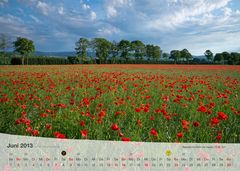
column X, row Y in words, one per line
column 124, row 48
column 149, row 51
column 209, row 55
column 218, row 57
column 176, row 55
column 235, row 57
column 102, row 48
column 81, row 49
column 157, row 53
column 226, row 56
column 139, row 49
column 186, row 54
column 114, row 51
column 165, row 55
column 24, row 46
column 4, row 45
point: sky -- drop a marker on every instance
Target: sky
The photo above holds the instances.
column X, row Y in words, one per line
column 55, row 25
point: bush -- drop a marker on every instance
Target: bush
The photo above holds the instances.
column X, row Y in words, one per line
column 40, row 61
column 16, row 61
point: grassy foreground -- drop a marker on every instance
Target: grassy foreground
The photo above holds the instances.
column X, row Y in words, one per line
column 160, row 103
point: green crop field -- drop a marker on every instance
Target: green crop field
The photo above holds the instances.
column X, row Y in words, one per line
column 158, row 103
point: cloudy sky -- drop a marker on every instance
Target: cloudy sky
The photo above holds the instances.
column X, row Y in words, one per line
column 55, row 25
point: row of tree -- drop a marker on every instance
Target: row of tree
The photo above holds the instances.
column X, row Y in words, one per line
column 124, row 49
column 22, row 46
column 40, row 60
column 105, row 51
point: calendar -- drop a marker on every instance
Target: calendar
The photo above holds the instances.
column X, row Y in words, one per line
column 34, row 153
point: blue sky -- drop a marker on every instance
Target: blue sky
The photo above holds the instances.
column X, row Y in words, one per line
column 55, row 25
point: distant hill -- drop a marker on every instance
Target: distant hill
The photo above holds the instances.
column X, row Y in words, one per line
column 72, row 53
column 200, row 57
column 59, row 54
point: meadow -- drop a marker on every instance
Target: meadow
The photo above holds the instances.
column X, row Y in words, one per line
column 149, row 103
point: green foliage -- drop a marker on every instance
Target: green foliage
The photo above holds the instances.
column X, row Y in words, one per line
column 4, row 45
column 209, row 55
column 81, row 49
column 102, row 48
column 176, row 55
column 124, row 47
column 139, row 49
column 153, row 52
column 24, row 47
column 235, row 58
column 40, row 61
column 218, row 57
column 185, row 54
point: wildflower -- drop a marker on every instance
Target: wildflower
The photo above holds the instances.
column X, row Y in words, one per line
column 138, row 110
column 222, row 116
column 126, row 139
column 154, row 132
column 214, row 121
column 59, row 135
column 202, row 109
column 49, row 126
column 35, row 132
column 179, row 134
column 84, row 133
column 196, row 124
column 115, row 127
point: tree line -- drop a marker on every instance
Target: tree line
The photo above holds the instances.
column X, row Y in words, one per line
column 105, row 51
column 124, row 50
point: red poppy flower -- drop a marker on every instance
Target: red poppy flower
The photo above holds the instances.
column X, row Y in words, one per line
column 151, row 118
column 146, row 109
column 168, row 117
column 29, row 129
column 120, row 134
column 222, row 116
column 18, row 121
column 214, row 121
column 102, row 114
column 154, row 132
column 202, row 109
column 59, row 135
column 24, row 106
column 82, row 123
column 138, row 110
column 126, row 139
column 115, row 127
column 219, row 137
column 157, row 110
column 35, row 132
column 43, row 115
column 196, row 124
column 139, row 123
column 179, row 134
column 100, row 105
column 84, row 133
column 49, row 126
column 118, row 113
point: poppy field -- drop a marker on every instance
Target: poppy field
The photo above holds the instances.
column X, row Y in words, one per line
column 147, row 103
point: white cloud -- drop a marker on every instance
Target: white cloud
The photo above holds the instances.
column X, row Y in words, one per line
column 108, row 30
column 179, row 12
column 35, row 18
column 85, row 6
column 43, row 7
column 61, row 10
column 13, row 25
column 113, row 6
column 93, row 15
